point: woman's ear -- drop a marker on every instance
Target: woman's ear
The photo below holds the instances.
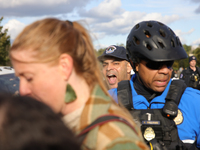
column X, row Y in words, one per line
column 66, row 65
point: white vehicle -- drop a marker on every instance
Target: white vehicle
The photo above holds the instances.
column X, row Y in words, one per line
column 9, row 83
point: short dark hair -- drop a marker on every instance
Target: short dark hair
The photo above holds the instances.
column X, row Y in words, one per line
column 27, row 124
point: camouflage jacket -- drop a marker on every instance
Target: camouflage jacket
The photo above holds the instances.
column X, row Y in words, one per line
column 112, row 135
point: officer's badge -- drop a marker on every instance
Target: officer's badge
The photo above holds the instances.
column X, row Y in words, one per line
column 195, row 77
column 149, row 134
column 179, row 118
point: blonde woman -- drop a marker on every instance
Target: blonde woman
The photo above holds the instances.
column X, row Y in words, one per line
column 56, row 63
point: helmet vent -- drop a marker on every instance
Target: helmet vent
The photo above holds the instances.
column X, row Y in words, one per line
column 149, row 25
column 136, row 40
column 171, row 31
column 161, row 44
column 160, row 23
column 148, row 47
column 178, row 41
column 172, row 43
column 162, row 33
column 148, row 35
column 137, row 26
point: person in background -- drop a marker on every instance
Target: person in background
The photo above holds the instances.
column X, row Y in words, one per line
column 27, row 124
column 115, row 65
column 179, row 71
column 191, row 74
column 174, row 74
column 167, row 110
column 56, row 63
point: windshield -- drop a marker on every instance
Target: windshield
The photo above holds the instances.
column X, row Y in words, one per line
column 9, row 83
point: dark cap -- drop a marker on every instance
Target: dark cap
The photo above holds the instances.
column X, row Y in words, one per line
column 114, row 51
column 192, row 58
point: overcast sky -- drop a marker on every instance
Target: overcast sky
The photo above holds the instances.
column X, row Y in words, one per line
column 109, row 21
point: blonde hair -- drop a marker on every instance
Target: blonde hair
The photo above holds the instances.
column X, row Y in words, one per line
column 49, row 38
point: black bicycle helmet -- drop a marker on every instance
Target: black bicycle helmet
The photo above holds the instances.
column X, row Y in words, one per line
column 155, row 41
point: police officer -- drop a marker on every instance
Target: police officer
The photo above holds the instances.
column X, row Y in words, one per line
column 191, row 74
column 167, row 111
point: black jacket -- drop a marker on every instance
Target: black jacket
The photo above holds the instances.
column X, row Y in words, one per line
column 191, row 78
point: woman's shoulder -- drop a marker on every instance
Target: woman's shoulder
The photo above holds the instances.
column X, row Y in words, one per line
column 116, row 135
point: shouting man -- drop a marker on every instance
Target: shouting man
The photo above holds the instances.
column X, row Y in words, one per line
column 115, row 65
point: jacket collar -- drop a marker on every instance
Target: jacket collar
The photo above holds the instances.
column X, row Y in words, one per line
column 140, row 102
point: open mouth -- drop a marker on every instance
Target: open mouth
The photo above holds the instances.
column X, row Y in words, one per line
column 112, row 79
column 161, row 82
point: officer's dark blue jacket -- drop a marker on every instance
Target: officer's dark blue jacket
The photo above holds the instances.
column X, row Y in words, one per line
column 189, row 105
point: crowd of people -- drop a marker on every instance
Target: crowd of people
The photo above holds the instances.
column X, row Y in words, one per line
column 166, row 109
column 58, row 67
column 64, row 101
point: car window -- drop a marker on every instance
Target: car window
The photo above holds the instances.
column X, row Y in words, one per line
column 9, row 83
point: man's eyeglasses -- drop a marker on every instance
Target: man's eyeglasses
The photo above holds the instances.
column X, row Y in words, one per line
column 158, row 65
